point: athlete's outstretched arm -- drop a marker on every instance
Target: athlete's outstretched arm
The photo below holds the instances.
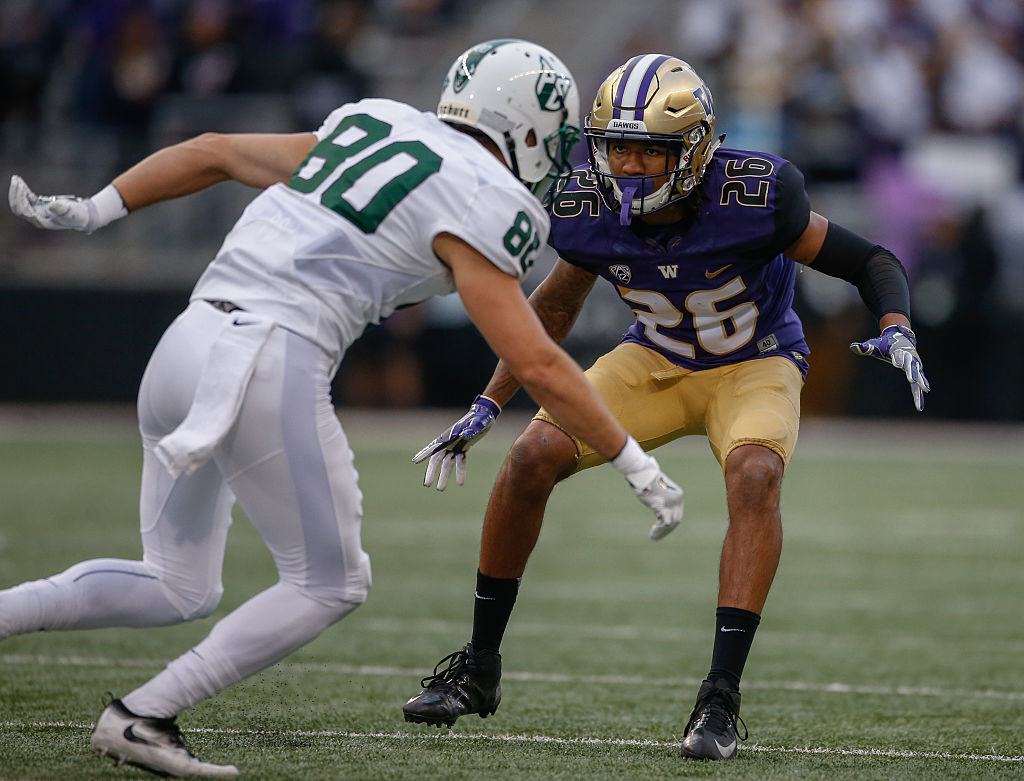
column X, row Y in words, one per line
column 557, row 301
column 258, row 160
column 496, row 305
column 254, row 159
column 882, row 282
column 498, row 308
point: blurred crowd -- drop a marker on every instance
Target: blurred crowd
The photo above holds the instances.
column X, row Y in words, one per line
column 906, row 117
column 842, row 83
column 112, row 63
column 914, row 111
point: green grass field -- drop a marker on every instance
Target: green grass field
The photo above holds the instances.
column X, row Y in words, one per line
column 891, row 646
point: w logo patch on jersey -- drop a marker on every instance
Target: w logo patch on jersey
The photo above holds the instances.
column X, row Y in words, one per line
column 621, row 273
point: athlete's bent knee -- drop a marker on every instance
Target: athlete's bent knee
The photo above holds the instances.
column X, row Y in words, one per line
column 755, row 466
column 541, row 454
column 194, row 606
column 344, row 588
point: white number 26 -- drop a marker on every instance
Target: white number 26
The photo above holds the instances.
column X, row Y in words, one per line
column 718, row 332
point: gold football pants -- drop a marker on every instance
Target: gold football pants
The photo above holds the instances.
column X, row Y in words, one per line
column 753, row 402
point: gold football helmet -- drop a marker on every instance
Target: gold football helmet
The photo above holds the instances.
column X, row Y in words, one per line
column 657, row 98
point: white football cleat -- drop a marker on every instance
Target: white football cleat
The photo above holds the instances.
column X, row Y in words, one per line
column 149, row 743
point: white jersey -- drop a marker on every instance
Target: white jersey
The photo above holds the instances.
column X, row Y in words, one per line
column 349, row 239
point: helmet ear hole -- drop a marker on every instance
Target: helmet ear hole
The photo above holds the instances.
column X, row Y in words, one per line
column 531, row 138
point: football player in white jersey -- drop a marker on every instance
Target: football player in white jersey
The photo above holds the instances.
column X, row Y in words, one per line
column 383, row 206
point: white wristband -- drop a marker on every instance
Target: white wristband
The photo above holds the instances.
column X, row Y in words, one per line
column 631, row 457
column 636, row 466
column 108, row 205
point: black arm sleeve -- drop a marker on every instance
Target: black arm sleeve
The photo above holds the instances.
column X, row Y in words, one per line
column 878, row 274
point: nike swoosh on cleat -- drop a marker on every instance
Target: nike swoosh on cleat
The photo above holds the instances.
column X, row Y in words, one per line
column 712, row 274
column 727, row 748
column 129, row 735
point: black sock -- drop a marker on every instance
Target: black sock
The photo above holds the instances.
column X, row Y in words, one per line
column 734, row 632
column 495, row 598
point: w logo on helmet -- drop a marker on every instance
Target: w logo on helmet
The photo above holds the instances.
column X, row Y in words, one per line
column 703, row 96
column 552, row 87
column 471, row 61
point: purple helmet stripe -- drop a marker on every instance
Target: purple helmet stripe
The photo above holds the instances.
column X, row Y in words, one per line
column 645, row 85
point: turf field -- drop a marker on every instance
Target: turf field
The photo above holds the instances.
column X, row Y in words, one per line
column 892, row 645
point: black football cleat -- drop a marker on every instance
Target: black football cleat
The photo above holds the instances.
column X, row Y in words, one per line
column 711, row 731
column 471, row 683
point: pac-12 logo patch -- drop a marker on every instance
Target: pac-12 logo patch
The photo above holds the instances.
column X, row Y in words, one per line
column 621, row 273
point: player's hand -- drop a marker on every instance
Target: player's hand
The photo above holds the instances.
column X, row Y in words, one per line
column 651, row 486
column 53, row 212
column 665, row 498
column 449, row 447
column 654, row 488
column 898, row 345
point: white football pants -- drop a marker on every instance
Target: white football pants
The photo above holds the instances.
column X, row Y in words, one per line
column 288, row 464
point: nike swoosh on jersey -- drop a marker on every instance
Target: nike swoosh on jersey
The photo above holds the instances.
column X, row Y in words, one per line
column 712, row 274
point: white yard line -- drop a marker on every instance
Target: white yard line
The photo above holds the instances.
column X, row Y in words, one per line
column 508, row 675
column 548, row 739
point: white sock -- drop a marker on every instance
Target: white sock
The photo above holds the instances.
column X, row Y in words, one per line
column 259, row 633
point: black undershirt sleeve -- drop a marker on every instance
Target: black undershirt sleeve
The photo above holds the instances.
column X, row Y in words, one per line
column 792, row 208
column 878, row 274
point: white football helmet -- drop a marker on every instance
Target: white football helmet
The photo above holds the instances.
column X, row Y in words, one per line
column 652, row 97
column 523, row 98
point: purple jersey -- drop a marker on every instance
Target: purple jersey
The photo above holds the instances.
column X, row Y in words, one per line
column 708, row 291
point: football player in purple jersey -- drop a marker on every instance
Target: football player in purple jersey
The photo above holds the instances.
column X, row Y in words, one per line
column 701, row 242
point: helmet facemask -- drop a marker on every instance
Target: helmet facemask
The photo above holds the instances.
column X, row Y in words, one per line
column 635, row 195
column 557, row 147
column 653, row 99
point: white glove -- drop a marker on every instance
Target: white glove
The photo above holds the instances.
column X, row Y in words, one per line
column 651, row 486
column 66, row 212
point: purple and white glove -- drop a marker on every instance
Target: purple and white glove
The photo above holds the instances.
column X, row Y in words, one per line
column 450, row 446
column 651, row 486
column 65, row 212
column 898, row 345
